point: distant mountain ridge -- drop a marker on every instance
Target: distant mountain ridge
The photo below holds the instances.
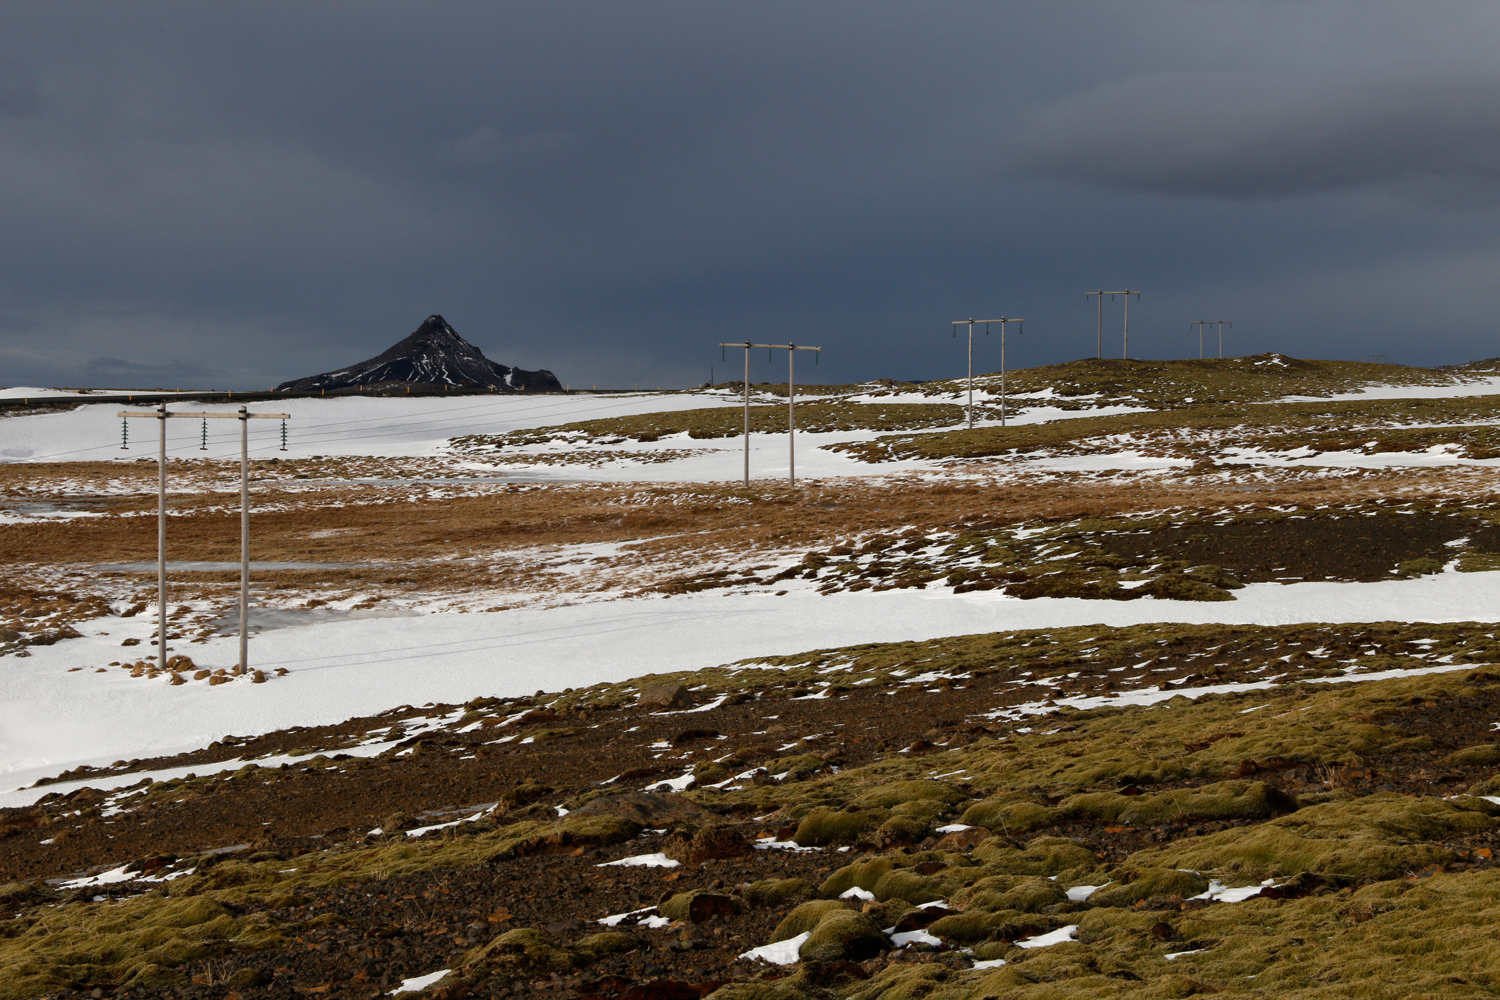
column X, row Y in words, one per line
column 434, row 354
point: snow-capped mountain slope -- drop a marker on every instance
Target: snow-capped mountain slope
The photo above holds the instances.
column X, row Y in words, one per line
column 434, row 354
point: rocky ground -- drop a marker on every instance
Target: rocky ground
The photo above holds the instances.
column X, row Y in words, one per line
column 1157, row 810
column 477, row 838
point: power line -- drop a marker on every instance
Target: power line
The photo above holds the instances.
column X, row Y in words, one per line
column 1128, row 292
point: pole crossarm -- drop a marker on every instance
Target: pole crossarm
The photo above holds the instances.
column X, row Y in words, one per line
column 242, row 415
column 782, row 347
column 209, row 416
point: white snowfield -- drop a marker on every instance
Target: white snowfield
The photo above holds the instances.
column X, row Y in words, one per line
column 52, row 720
column 401, row 427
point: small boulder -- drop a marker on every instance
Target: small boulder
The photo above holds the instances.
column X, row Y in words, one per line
column 709, row 843
column 843, row 935
column 666, row 696
column 962, row 840
column 653, row 809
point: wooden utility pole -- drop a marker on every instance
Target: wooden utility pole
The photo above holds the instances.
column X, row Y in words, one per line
column 162, row 415
column 791, row 403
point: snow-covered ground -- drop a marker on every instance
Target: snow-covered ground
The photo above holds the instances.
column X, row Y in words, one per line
column 423, row 428
column 52, row 720
column 347, row 425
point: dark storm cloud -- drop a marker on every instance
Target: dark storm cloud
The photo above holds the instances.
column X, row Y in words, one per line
column 250, row 193
column 1246, row 135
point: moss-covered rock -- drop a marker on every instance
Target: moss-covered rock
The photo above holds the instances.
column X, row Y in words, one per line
column 903, row 883
column 597, row 946
column 527, row 950
column 901, row 830
column 697, row 905
column 843, row 935
column 805, row 917
column 1043, row 856
column 896, row 792
column 1131, row 885
column 864, row 874
column 1027, row 894
column 823, row 826
column 1221, row 800
column 1482, row 755
column 1378, row 836
column 777, row 891
column 755, row 990
column 1012, row 815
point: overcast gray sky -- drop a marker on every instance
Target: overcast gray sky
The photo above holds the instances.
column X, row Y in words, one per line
column 233, row 195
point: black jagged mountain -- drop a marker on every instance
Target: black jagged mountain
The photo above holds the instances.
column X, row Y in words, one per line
column 433, row 355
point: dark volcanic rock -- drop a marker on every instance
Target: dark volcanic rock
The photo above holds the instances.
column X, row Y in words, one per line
column 433, row 355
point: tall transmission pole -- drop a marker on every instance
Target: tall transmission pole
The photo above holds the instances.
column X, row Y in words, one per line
column 1127, row 292
column 1200, row 324
column 1222, row 324
column 1002, row 321
column 162, row 415
column 791, row 402
column 1099, row 301
column 970, row 322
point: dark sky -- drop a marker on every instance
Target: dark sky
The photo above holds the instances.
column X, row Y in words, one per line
column 222, row 195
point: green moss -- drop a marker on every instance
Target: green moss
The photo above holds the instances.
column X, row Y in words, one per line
column 1378, row 836
column 902, row 883
column 823, row 826
column 1043, row 856
column 597, row 946
column 862, row 874
column 1177, row 587
column 805, row 917
column 1420, row 567
column 523, row 949
column 1131, row 885
column 777, row 891
column 1221, row 800
column 902, row 830
column 753, row 990
column 1012, row 815
column 1026, row 894
column 897, row 792
column 843, row 935
column 1482, row 755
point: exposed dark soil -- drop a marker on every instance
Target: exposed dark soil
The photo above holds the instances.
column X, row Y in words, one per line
column 361, row 939
column 1312, row 547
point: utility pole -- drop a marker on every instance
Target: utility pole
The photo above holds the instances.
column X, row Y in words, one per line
column 971, row 321
column 1222, row 324
column 1099, row 302
column 1200, row 324
column 1128, row 292
column 1002, row 321
column 791, row 403
column 162, row 415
